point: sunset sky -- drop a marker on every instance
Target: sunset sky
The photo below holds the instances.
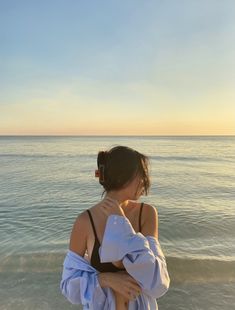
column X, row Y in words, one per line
column 78, row 67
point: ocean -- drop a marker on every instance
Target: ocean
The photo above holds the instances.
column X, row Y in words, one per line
column 46, row 181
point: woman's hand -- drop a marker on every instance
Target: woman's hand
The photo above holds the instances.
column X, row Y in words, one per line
column 111, row 206
column 121, row 282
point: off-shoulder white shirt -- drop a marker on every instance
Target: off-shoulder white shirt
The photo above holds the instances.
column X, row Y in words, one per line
column 141, row 256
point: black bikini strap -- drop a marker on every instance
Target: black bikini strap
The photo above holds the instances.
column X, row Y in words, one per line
column 92, row 223
column 141, row 207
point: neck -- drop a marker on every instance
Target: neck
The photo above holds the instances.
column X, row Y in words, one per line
column 119, row 197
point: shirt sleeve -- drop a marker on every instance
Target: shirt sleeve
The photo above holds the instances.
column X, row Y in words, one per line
column 79, row 283
column 142, row 256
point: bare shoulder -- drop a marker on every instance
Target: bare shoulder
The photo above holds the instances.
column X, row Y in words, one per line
column 81, row 220
column 150, row 220
column 78, row 237
column 149, row 211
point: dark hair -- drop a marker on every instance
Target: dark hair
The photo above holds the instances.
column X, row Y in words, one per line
column 120, row 165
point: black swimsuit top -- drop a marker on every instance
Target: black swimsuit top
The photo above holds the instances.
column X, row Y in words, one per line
column 95, row 257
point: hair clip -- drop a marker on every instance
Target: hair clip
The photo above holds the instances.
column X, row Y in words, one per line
column 101, row 173
column 98, row 173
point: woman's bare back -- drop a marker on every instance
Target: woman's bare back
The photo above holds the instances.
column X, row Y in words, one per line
column 132, row 213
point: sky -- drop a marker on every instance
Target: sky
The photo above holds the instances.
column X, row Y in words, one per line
column 78, row 67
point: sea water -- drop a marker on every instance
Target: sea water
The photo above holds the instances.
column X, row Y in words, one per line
column 45, row 182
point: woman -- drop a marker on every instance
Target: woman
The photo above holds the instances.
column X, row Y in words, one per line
column 114, row 259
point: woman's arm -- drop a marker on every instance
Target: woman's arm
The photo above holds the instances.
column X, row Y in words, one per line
column 79, row 281
column 120, row 282
column 149, row 221
column 78, row 237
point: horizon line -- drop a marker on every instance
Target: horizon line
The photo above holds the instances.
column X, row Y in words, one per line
column 64, row 135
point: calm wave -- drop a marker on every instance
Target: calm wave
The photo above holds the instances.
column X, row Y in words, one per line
column 45, row 182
